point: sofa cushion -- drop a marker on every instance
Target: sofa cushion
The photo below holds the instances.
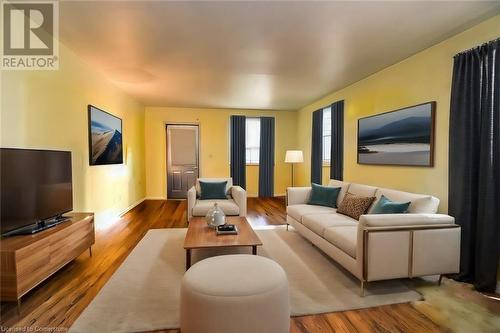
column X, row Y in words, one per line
column 386, row 206
column 343, row 237
column 319, row 222
column 298, row 211
column 355, row 205
column 343, row 188
column 324, row 195
column 362, row 190
column 420, row 203
column 228, row 206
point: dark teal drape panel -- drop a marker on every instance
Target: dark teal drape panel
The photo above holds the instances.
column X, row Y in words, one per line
column 337, row 152
column 238, row 151
column 474, row 162
column 266, row 157
column 317, row 147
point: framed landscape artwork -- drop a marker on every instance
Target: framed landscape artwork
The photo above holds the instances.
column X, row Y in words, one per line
column 401, row 137
column 105, row 137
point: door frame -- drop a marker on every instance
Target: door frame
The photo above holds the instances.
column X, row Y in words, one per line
column 167, row 152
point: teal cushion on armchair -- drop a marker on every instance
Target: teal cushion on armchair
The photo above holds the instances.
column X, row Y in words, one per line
column 386, row 206
column 213, row 190
column 324, row 195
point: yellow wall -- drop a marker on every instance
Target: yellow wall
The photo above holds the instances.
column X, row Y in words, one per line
column 423, row 77
column 48, row 110
column 214, row 145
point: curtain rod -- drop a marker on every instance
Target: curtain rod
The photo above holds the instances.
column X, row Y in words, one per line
column 477, row 47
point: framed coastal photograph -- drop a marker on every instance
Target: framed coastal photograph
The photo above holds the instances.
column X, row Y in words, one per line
column 105, row 137
column 400, row 137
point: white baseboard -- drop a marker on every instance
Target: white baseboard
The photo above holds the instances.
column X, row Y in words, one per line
column 132, row 206
column 275, row 195
column 155, row 198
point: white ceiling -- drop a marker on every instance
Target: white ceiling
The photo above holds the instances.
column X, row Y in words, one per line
column 254, row 55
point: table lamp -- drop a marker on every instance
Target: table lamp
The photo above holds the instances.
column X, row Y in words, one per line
column 294, row 156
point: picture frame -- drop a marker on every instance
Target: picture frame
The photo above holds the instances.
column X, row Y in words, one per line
column 105, row 133
column 402, row 137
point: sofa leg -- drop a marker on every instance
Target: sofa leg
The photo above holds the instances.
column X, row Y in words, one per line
column 440, row 279
column 362, row 292
column 287, row 227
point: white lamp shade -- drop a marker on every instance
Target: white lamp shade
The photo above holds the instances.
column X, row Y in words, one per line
column 294, row 156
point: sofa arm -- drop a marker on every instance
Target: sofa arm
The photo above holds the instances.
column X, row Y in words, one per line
column 240, row 197
column 191, row 201
column 391, row 246
column 404, row 220
column 297, row 195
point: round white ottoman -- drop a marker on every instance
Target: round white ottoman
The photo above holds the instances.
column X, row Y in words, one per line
column 235, row 294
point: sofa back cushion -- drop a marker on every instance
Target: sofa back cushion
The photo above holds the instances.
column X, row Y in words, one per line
column 229, row 184
column 420, row 203
column 343, row 188
column 362, row 190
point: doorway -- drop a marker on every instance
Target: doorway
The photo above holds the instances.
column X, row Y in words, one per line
column 182, row 159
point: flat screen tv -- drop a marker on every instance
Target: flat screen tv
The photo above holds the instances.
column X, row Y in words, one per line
column 35, row 189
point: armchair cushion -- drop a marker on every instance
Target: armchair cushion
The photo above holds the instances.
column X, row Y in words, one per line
column 213, row 190
column 214, row 180
column 228, row 206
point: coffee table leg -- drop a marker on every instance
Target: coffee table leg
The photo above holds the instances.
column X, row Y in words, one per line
column 188, row 258
column 254, row 250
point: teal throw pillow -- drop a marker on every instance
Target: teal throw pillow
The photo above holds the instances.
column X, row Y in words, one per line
column 386, row 206
column 213, row 190
column 324, row 195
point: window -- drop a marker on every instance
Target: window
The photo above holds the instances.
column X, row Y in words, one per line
column 252, row 133
column 327, row 134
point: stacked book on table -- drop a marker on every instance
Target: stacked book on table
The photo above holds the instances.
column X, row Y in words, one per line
column 227, row 229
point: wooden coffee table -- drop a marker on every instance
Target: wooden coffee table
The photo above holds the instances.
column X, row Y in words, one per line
column 200, row 236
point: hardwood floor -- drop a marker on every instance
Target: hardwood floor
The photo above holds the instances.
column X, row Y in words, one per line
column 58, row 301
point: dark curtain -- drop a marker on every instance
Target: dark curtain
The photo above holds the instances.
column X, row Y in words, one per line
column 337, row 149
column 238, row 151
column 317, row 147
column 266, row 157
column 474, row 162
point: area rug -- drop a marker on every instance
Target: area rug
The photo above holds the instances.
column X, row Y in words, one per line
column 143, row 294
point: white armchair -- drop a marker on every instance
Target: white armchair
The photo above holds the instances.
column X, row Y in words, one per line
column 235, row 204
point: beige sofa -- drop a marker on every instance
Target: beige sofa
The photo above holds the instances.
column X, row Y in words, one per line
column 379, row 246
column 234, row 204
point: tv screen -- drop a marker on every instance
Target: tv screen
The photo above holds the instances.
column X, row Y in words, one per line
column 35, row 185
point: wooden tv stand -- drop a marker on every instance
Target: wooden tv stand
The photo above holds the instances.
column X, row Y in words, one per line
column 27, row 260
